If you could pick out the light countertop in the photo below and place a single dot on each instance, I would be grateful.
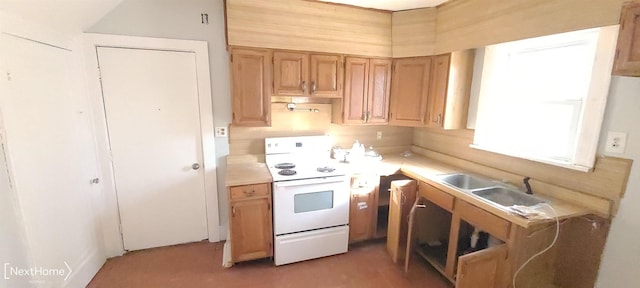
(417, 167)
(247, 173)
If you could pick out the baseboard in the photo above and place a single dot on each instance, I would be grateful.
(223, 234)
(85, 271)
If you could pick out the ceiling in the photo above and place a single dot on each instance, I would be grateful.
(66, 15)
(391, 5)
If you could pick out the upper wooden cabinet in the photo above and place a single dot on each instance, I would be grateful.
(251, 79)
(290, 73)
(409, 91)
(326, 76)
(366, 93)
(627, 61)
(432, 91)
(310, 75)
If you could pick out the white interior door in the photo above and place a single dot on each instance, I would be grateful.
(51, 160)
(153, 119)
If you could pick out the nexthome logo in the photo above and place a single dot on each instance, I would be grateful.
(36, 272)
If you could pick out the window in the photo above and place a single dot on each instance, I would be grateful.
(543, 98)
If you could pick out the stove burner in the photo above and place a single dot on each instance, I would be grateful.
(285, 166)
(287, 172)
(326, 169)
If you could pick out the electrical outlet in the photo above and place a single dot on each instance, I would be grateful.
(221, 131)
(616, 142)
(378, 135)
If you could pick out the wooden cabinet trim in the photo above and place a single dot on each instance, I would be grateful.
(484, 220)
(436, 196)
(627, 61)
(249, 191)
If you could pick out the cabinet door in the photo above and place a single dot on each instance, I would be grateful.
(379, 90)
(326, 76)
(483, 268)
(438, 94)
(361, 213)
(290, 74)
(627, 61)
(403, 196)
(251, 232)
(356, 90)
(251, 76)
(409, 91)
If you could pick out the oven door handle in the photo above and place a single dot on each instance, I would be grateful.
(311, 181)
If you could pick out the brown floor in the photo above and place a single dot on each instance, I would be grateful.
(199, 265)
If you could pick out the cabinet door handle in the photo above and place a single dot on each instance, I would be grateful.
(313, 87)
(233, 211)
(438, 119)
(303, 86)
(250, 193)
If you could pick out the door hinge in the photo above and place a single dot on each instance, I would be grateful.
(231, 57)
(233, 116)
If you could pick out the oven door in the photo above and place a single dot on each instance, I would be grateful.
(301, 205)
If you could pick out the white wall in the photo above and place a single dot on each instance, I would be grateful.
(621, 260)
(180, 19)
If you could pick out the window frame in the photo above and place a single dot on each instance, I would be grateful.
(593, 105)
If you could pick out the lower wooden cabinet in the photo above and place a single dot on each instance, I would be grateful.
(250, 222)
(361, 213)
(482, 268)
(444, 238)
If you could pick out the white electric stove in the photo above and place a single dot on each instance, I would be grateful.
(310, 199)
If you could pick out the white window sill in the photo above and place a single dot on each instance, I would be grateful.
(540, 160)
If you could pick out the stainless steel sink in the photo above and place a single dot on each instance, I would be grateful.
(507, 197)
(467, 182)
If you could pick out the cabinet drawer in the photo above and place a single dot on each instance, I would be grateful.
(248, 191)
(484, 220)
(437, 196)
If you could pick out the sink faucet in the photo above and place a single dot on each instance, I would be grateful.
(526, 184)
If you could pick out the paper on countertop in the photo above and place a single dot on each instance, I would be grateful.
(529, 212)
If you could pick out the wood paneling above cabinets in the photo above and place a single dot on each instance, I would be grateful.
(308, 26)
(466, 24)
(307, 75)
(413, 32)
(366, 93)
(432, 91)
(250, 89)
(627, 61)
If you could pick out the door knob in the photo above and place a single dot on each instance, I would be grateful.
(195, 166)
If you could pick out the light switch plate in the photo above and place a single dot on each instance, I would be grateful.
(221, 132)
(616, 142)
